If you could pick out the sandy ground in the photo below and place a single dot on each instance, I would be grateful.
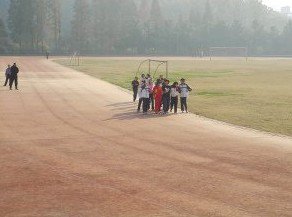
(72, 145)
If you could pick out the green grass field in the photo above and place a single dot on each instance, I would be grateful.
(255, 94)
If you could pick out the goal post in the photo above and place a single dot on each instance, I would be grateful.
(228, 52)
(75, 59)
(158, 64)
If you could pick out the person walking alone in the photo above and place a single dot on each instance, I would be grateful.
(14, 76)
(7, 75)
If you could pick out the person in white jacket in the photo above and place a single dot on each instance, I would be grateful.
(145, 96)
(184, 90)
(174, 93)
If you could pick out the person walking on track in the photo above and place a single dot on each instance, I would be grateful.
(184, 90)
(7, 75)
(135, 86)
(166, 96)
(157, 94)
(14, 76)
(151, 98)
(145, 97)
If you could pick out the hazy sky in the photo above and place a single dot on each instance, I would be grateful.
(277, 4)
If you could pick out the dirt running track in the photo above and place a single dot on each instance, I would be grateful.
(71, 145)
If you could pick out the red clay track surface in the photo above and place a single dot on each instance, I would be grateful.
(72, 145)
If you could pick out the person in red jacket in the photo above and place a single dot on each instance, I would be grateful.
(157, 93)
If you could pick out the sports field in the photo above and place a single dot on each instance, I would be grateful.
(73, 145)
(255, 94)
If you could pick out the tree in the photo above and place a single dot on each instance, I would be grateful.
(287, 38)
(40, 19)
(130, 33)
(21, 22)
(207, 22)
(4, 42)
(54, 22)
(144, 11)
(107, 26)
(156, 18)
(80, 26)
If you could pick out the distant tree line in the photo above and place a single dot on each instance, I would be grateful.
(141, 27)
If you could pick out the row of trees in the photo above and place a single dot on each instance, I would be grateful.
(139, 27)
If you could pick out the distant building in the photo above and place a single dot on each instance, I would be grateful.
(286, 11)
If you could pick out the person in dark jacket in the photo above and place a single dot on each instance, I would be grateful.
(166, 96)
(7, 75)
(135, 86)
(14, 76)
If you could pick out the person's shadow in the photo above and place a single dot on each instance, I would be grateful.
(128, 111)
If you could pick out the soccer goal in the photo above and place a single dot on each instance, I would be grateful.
(228, 52)
(75, 59)
(153, 63)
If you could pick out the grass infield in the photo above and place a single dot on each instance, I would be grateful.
(255, 94)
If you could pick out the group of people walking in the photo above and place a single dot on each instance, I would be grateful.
(160, 97)
(11, 76)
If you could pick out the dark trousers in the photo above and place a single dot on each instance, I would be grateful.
(6, 80)
(166, 103)
(151, 101)
(13, 79)
(135, 94)
(184, 105)
(146, 105)
(174, 103)
(140, 103)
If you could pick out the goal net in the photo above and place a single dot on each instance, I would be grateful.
(228, 52)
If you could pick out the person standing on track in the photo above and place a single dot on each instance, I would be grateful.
(7, 75)
(184, 90)
(135, 86)
(161, 79)
(145, 97)
(14, 76)
(157, 94)
(174, 92)
(143, 78)
(151, 98)
(166, 96)
(142, 81)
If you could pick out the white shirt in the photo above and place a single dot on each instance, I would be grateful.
(174, 92)
(144, 92)
(184, 90)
